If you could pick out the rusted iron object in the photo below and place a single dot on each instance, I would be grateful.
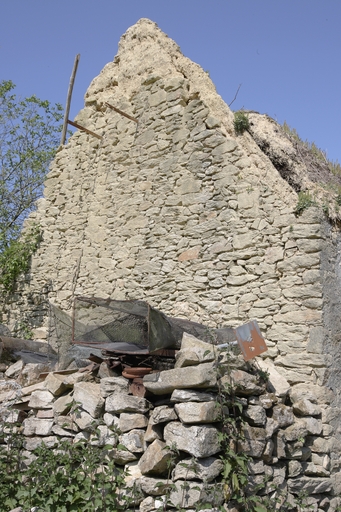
(250, 340)
(135, 372)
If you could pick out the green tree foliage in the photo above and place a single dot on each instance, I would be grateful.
(29, 136)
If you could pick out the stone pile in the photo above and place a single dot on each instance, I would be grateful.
(172, 434)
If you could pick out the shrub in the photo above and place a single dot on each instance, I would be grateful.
(305, 200)
(241, 122)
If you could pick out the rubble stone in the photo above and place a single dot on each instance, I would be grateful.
(88, 394)
(206, 469)
(202, 376)
(41, 400)
(133, 441)
(163, 414)
(14, 370)
(129, 421)
(118, 403)
(202, 412)
(156, 459)
(199, 441)
(110, 385)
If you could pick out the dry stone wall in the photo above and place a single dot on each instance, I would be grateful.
(172, 435)
(179, 211)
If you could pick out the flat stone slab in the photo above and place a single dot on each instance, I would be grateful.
(41, 400)
(206, 469)
(194, 412)
(118, 403)
(201, 376)
(182, 395)
(309, 485)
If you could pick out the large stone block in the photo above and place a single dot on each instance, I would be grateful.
(134, 441)
(202, 412)
(201, 376)
(197, 440)
(206, 469)
(255, 415)
(118, 403)
(88, 395)
(55, 384)
(63, 404)
(129, 421)
(244, 383)
(283, 414)
(305, 407)
(41, 400)
(156, 459)
(309, 485)
(163, 414)
(13, 371)
(38, 427)
(193, 351)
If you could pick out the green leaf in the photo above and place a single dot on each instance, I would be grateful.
(227, 469)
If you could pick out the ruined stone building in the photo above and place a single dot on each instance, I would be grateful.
(175, 208)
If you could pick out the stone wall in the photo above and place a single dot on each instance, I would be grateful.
(171, 434)
(181, 212)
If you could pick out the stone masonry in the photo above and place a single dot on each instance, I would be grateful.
(179, 211)
(171, 435)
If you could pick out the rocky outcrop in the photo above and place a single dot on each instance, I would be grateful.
(283, 434)
(301, 164)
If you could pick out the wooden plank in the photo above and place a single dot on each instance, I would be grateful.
(76, 125)
(68, 99)
(122, 113)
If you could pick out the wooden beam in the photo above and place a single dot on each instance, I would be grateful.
(68, 99)
(122, 113)
(76, 125)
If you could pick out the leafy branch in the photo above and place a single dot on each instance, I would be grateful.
(15, 257)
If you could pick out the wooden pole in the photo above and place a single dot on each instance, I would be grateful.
(76, 125)
(68, 99)
(123, 113)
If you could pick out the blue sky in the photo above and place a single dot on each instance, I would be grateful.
(285, 53)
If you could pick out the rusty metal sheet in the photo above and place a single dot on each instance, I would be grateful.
(250, 340)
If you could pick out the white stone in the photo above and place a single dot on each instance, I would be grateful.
(199, 441)
(201, 376)
(88, 395)
(278, 383)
